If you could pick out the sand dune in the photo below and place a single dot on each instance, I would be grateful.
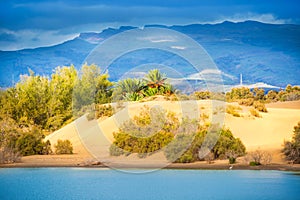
(266, 133)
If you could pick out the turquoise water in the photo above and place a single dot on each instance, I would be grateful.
(87, 183)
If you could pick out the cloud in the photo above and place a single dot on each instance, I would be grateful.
(30, 39)
(53, 15)
(159, 39)
(264, 18)
(178, 47)
(46, 22)
(207, 74)
(7, 36)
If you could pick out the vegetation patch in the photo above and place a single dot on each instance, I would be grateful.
(104, 111)
(146, 133)
(254, 112)
(291, 149)
(233, 110)
(63, 147)
(154, 130)
(260, 106)
(154, 83)
(258, 157)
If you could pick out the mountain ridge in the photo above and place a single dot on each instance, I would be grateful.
(262, 52)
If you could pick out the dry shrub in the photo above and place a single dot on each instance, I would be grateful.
(258, 157)
(233, 110)
(254, 112)
(246, 102)
(260, 106)
(8, 155)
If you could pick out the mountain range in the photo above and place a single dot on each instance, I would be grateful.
(265, 53)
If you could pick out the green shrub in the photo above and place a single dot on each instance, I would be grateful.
(201, 95)
(246, 102)
(259, 94)
(186, 147)
(254, 112)
(104, 110)
(204, 116)
(146, 133)
(232, 160)
(31, 143)
(253, 163)
(176, 151)
(272, 96)
(291, 148)
(238, 93)
(63, 147)
(260, 106)
(186, 158)
(233, 110)
(228, 146)
(115, 151)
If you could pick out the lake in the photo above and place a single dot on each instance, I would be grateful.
(92, 183)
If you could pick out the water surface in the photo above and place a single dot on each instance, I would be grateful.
(87, 183)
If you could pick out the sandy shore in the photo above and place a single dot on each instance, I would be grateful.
(89, 162)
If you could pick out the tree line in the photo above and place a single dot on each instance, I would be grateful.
(39, 105)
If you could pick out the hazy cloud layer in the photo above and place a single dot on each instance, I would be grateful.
(29, 23)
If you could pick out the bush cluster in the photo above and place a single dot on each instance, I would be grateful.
(291, 149)
(63, 147)
(233, 110)
(146, 133)
(180, 141)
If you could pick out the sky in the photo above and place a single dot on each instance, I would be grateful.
(36, 23)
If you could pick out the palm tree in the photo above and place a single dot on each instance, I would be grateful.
(130, 85)
(169, 89)
(128, 89)
(155, 79)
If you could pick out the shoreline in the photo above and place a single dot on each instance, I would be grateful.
(183, 166)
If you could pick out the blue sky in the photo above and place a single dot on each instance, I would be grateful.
(33, 23)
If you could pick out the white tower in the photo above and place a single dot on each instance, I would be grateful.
(241, 79)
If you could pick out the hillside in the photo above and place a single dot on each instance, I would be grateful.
(261, 52)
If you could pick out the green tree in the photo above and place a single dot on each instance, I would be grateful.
(228, 146)
(91, 87)
(31, 143)
(238, 93)
(60, 103)
(128, 89)
(155, 79)
(203, 95)
(32, 95)
(272, 96)
(259, 94)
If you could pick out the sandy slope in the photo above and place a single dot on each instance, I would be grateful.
(286, 104)
(266, 133)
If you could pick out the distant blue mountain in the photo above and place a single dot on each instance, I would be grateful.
(261, 52)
